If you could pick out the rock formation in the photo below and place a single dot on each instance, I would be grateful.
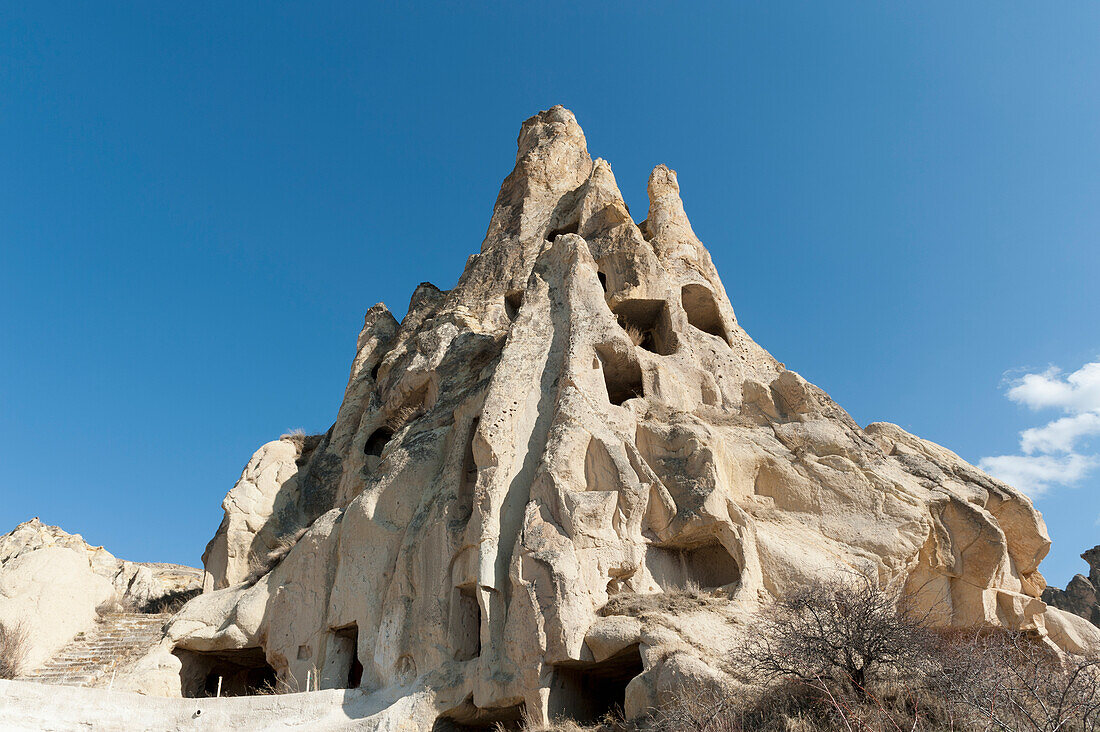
(1082, 594)
(580, 420)
(52, 582)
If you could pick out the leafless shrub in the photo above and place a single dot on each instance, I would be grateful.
(1011, 681)
(846, 629)
(110, 606)
(14, 645)
(671, 601)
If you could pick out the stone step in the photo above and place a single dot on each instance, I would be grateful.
(90, 657)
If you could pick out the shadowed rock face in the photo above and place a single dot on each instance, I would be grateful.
(581, 418)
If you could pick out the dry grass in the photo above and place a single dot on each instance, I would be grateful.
(261, 564)
(402, 416)
(14, 644)
(677, 601)
(171, 602)
(610, 723)
(635, 334)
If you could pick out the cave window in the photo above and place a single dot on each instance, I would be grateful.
(603, 280)
(468, 479)
(702, 310)
(567, 229)
(377, 441)
(466, 623)
(587, 692)
(622, 375)
(707, 566)
(648, 324)
(374, 446)
(512, 303)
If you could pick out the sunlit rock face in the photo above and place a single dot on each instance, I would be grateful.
(579, 419)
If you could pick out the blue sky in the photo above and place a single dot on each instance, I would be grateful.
(199, 201)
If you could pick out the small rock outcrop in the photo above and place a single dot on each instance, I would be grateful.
(1082, 594)
(53, 582)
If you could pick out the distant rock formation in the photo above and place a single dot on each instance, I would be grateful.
(1080, 595)
(52, 582)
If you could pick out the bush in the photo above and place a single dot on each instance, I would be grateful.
(14, 642)
(1013, 681)
(845, 629)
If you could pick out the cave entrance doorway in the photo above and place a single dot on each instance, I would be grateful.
(343, 669)
(586, 692)
(467, 717)
(242, 672)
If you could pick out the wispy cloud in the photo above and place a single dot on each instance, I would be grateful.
(1056, 453)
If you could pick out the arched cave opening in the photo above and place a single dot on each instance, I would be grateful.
(241, 672)
(376, 443)
(648, 324)
(621, 374)
(469, 718)
(702, 310)
(586, 692)
(603, 280)
(513, 301)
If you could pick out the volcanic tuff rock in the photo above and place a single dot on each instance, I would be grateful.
(582, 419)
(51, 583)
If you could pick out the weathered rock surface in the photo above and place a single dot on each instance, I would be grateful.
(51, 583)
(581, 419)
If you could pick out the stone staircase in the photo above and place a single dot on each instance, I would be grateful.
(89, 658)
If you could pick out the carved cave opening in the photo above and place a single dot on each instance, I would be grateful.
(570, 228)
(586, 692)
(343, 669)
(621, 374)
(706, 566)
(243, 672)
(468, 478)
(513, 301)
(648, 324)
(469, 718)
(702, 310)
(466, 623)
(603, 279)
(374, 446)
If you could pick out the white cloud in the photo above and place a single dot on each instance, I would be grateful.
(1035, 475)
(1079, 392)
(1061, 434)
(1055, 453)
